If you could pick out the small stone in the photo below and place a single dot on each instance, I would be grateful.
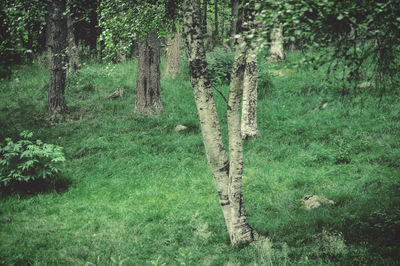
(116, 94)
(313, 201)
(364, 85)
(179, 128)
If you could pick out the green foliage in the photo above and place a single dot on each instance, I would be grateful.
(21, 32)
(27, 160)
(122, 22)
(220, 62)
(360, 40)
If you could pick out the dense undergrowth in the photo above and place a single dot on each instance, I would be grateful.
(142, 193)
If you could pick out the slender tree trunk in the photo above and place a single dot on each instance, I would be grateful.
(73, 53)
(216, 25)
(57, 39)
(148, 87)
(241, 230)
(49, 40)
(204, 17)
(173, 56)
(276, 52)
(234, 16)
(227, 173)
(249, 106)
(121, 54)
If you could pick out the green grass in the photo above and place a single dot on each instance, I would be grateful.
(143, 194)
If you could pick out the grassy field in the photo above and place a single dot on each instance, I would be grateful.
(142, 193)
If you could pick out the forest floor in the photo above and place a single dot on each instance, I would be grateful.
(142, 193)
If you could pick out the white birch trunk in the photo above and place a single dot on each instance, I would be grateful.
(241, 230)
(227, 173)
(206, 109)
(276, 52)
(249, 127)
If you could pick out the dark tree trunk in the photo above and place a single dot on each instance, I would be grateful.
(148, 87)
(234, 18)
(216, 26)
(204, 17)
(57, 41)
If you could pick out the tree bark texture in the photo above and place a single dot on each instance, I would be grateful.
(148, 87)
(173, 56)
(249, 106)
(204, 17)
(249, 127)
(234, 17)
(57, 41)
(216, 24)
(227, 173)
(73, 53)
(276, 52)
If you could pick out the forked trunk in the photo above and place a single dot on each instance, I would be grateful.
(276, 52)
(206, 109)
(57, 37)
(173, 56)
(227, 173)
(148, 87)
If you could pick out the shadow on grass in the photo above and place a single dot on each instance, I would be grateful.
(59, 184)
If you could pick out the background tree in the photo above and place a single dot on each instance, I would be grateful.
(124, 21)
(73, 54)
(277, 52)
(233, 20)
(173, 55)
(148, 86)
(57, 37)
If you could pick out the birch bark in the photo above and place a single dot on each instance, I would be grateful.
(227, 173)
(249, 106)
(276, 52)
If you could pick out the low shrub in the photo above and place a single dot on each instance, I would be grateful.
(26, 160)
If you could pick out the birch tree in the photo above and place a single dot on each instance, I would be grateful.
(227, 172)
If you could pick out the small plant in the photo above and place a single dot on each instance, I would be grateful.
(28, 160)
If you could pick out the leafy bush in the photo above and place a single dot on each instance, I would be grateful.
(28, 160)
(220, 62)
